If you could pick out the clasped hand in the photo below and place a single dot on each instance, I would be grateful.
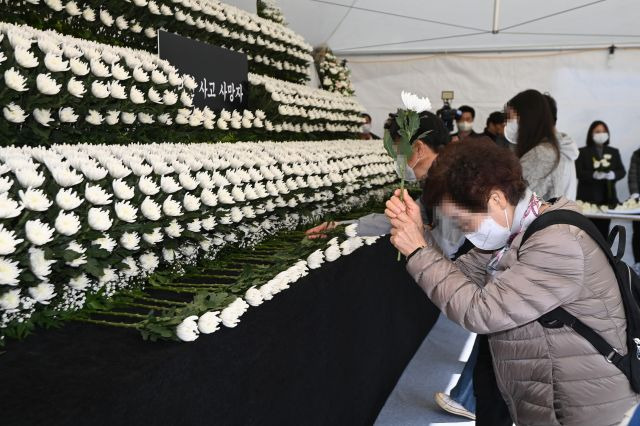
(406, 222)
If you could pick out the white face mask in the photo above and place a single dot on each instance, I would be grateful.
(511, 131)
(409, 174)
(600, 138)
(366, 128)
(464, 126)
(490, 235)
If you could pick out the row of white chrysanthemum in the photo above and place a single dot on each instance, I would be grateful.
(212, 9)
(209, 322)
(111, 84)
(334, 75)
(305, 96)
(71, 165)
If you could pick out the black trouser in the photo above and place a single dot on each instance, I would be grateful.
(635, 241)
(491, 410)
(603, 226)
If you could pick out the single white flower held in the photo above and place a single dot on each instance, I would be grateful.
(415, 103)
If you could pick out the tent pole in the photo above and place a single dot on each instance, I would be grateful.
(496, 16)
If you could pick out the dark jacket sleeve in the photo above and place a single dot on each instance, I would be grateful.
(634, 183)
(584, 166)
(617, 166)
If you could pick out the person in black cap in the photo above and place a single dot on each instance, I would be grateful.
(424, 152)
(495, 129)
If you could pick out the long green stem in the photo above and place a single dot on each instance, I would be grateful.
(401, 199)
(109, 323)
(169, 302)
(119, 314)
(138, 305)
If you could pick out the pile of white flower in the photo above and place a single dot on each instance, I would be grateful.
(319, 110)
(270, 46)
(334, 74)
(54, 81)
(97, 218)
(209, 322)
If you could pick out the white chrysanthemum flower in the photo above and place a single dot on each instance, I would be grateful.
(79, 68)
(147, 186)
(25, 58)
(171, 207)
(66, 115)
(253, 296)
(415, 103)
(38, 233)
(230, 315)
(149, 261)
(118, 91)
(99, 219)
(79, 282)
(130, 241)
(150, 209)
(34, 200)
(42, 116)
(80, 260)
(67, 223)
(136, 96)
(191, 203)
(105, 243)
(169, 185)
(76, 88)
(15, 81)
(47, 85)
(351, 230)
(42, 293)
(153, 238)
(315, 259)
(187, 330)
(332, 253)
(128, 117)
(122, 190)
(8, 241)
(39, 265)
(174, 230)
(94, 117)
(10, 300)
(14, 113)
(55, 63)
(125, 211)
(370, 240)
(209, 322)
(95, 194)
(67, 199)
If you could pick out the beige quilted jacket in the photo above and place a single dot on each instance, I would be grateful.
(547, 376)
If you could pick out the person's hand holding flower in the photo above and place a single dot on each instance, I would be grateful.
(407, 232)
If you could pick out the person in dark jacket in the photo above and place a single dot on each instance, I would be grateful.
(634, 190)
(464, 123)
(495, 129)
(599, 167)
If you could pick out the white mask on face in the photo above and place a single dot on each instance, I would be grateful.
(490, 235)
(366, 128)
(409, 174)
(600, 138)
(511, 131)
(464, 126)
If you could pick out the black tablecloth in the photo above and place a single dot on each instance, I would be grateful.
(328, 351)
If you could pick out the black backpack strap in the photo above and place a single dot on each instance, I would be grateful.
(559, 316)
(621, 233)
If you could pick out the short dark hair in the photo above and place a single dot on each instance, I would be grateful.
(467, 108)
(590, 141)
(467, 173)
(365, 115)
(552, 106)
(437, 137)
(535, 124)
(496, 117)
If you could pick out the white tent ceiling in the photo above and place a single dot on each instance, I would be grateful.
(410, 26)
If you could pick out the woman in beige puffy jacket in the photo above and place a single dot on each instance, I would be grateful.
(547, 376)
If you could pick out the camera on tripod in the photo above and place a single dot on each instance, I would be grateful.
(447, 114)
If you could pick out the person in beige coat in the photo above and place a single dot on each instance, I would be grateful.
(546, 376)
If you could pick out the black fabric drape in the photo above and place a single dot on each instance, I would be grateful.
(328, 351)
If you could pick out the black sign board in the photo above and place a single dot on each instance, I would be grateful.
(221, 74)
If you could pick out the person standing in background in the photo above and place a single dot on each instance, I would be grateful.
(634, 190)
(366, 128)
(530, 127)
(568, 186)
(599, 167)
(464, 123)
(495, 129)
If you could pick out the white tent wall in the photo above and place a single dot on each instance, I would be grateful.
(587, 85)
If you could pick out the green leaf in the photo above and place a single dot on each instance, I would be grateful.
(388, 144)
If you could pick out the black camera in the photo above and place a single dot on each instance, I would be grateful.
(447, 114)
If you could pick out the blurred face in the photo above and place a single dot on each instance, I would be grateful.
(469, 221)
(421, 159)
(599, 129)
(466, 116)
(496, 128)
